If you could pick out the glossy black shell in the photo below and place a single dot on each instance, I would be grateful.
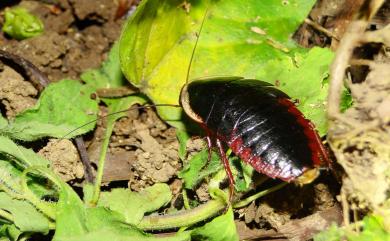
(252, 118)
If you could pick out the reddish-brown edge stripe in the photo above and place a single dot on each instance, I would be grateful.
(319, 154)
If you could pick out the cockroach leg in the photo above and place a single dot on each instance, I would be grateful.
(209, 146)
(227, 169)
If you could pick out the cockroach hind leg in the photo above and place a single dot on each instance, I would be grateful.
(226, 165)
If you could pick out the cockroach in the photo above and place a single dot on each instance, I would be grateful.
(259, 123)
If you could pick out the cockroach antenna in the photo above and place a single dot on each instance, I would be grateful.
(196, 42)
(117, 112)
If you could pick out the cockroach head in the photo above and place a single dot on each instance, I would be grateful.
(185, 104)
(198, 96)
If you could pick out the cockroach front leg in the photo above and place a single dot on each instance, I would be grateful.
(226, 165)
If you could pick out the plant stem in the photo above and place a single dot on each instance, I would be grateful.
(260, 194)
(185, 200)
(115, 106)
(200, 213)
(184, 218)
(102, 159)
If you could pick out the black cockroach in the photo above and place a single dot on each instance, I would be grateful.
(259, 123)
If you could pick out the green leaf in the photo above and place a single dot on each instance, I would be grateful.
(150, 199)
(197, 168)
(71, 214)
(63, 107)
(22, 156)
(9, 232)
(103, 224)
(182, 137)
(333, 233)
(239, 38)
(221, 228)
(26, 217)
(242, 173)
(75, 222)
(346, 100)
(20, 24)
(373, 230)
(109, 75)
(13, 159)
(10, 180)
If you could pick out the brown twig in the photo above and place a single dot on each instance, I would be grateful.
(37, 77)
(79, 141)
(321, 29)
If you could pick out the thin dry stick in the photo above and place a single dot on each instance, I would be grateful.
(321, 29)
(84, 158)
(345, 205)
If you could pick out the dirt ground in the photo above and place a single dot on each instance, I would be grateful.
(143, 149)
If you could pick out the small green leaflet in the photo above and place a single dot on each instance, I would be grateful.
(20, 24)
(198, 168)
(221, 228)
(150, 199)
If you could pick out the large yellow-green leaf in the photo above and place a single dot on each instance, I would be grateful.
(249, 38)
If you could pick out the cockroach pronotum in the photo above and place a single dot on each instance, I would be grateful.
(259, 123)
